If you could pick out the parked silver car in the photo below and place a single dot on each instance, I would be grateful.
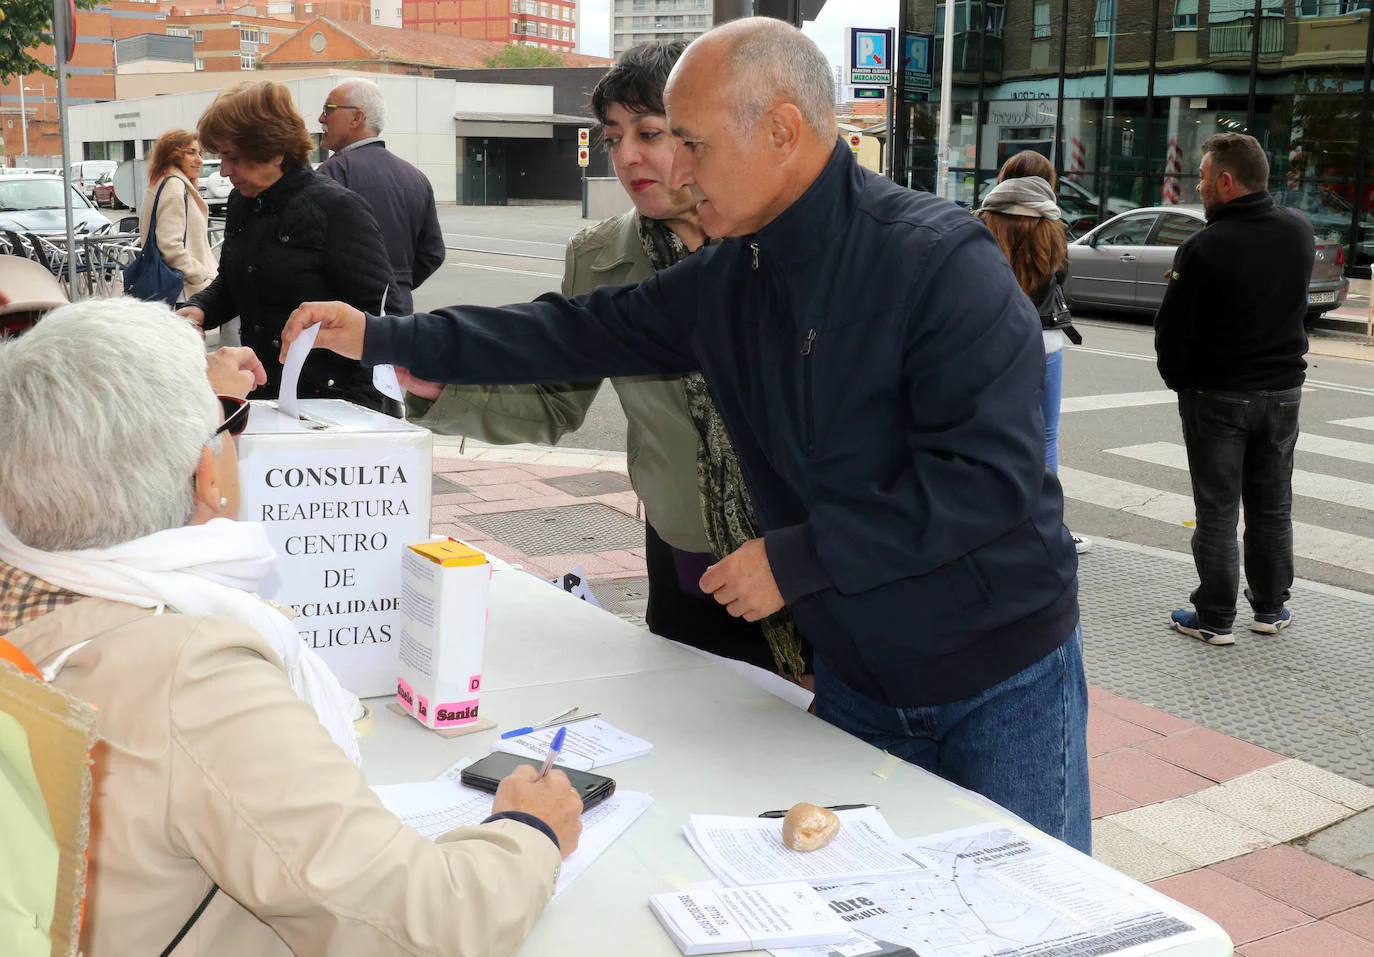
(1124, 263)
(32, 203)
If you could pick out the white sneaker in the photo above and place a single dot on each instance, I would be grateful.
(1081, 544)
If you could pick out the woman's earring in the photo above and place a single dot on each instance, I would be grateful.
(223, 502)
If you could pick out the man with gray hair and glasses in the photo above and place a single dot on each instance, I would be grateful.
(400, 195)
(879, 370)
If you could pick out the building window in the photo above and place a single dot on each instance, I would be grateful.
(1185, 15)
(307, 7)
(200, 63)
(1330, 8)
(249, 35)
(543, 9)
(1104, 21)
(178, 31)
(248, 61)
(199, 36)
(1042, 18)
(543, 29)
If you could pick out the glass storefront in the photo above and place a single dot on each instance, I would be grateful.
(1121, 94)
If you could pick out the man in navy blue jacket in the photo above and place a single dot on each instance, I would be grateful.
(879, 370)
(400, 195)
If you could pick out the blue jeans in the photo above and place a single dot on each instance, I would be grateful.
(1022, 743)
(1240, 451)
(1050, 400)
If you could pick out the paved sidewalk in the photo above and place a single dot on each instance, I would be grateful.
(1233, 779)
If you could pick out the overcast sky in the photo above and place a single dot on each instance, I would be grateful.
(827, 31)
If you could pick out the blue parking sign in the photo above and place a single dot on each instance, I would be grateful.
(917, 68)
(869, 59)
(870, 50)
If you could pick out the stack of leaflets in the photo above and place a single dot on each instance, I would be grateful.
(731, 919)
(749, 850)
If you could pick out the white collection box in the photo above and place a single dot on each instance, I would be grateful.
(341, 492)
(443, 626)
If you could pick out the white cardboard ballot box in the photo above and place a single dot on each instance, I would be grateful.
(341, 492)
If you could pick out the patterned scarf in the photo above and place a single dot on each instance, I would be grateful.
(725, 504)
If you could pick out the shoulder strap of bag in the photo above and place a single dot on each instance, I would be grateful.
(190, 922)
(152, 214)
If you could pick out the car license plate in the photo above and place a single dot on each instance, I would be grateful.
(1321, 297)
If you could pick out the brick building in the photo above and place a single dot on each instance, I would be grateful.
(549, 24)
(91, 76)
(356, 46)
(229, 41)
(1120, 94)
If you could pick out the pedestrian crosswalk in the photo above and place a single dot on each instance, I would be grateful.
(1328, 461)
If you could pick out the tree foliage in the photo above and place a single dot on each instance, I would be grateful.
(26, 25)
(517, 55)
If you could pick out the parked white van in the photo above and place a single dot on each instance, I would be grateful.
(85, 173)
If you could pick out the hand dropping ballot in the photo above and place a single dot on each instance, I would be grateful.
(340, 491)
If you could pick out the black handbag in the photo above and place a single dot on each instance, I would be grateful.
(1054, 312)
(149, 277)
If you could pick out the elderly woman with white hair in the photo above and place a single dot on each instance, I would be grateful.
(227, 756)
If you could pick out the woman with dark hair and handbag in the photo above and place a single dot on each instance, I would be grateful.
(1023, 214)
(174, 216)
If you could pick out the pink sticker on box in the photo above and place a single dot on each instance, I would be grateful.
(475, 683)
(421, 707)
(405, 695)
(455, 713)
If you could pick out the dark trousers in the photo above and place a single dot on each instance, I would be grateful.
(696, 619)
(1240, 450)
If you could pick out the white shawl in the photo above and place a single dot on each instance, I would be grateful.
(210, 569)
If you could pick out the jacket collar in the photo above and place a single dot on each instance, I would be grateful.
(801, 232)
(365, 141)
(624, 246)
(277, 195)
(1243, 205)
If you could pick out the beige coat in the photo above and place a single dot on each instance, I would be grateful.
(211, 769)
(176, 216)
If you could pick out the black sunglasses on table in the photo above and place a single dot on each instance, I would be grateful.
(235, 414)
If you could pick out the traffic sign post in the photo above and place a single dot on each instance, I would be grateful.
(584, 159)
(854, 140)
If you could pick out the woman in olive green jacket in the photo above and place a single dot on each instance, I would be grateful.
(680, 459)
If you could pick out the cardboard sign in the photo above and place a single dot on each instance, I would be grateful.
(60, 732)
(341, 493)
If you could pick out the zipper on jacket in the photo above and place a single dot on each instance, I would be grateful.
(755, 248)
(808, 409)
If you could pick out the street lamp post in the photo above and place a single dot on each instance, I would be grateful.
(24, 113)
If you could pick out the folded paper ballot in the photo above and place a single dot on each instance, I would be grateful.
(590, 744)
(731, 919)
(749, 850)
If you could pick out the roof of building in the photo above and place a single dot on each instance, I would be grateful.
(440, 50)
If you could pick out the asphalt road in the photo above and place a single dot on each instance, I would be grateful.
(1121, 449)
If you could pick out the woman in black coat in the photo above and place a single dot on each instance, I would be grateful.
(290, 237)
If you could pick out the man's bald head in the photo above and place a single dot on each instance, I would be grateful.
(757, 63)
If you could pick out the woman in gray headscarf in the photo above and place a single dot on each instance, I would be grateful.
(1023, 214)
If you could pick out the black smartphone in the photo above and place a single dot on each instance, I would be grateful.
(487, 773)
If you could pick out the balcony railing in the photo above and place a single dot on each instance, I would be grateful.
(1236, 39)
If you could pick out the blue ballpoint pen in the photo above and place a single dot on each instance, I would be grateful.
(544, 724)
(554, 748)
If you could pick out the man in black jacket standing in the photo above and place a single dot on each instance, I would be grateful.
(891, 437)
(1230, 341)
(400, 195)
